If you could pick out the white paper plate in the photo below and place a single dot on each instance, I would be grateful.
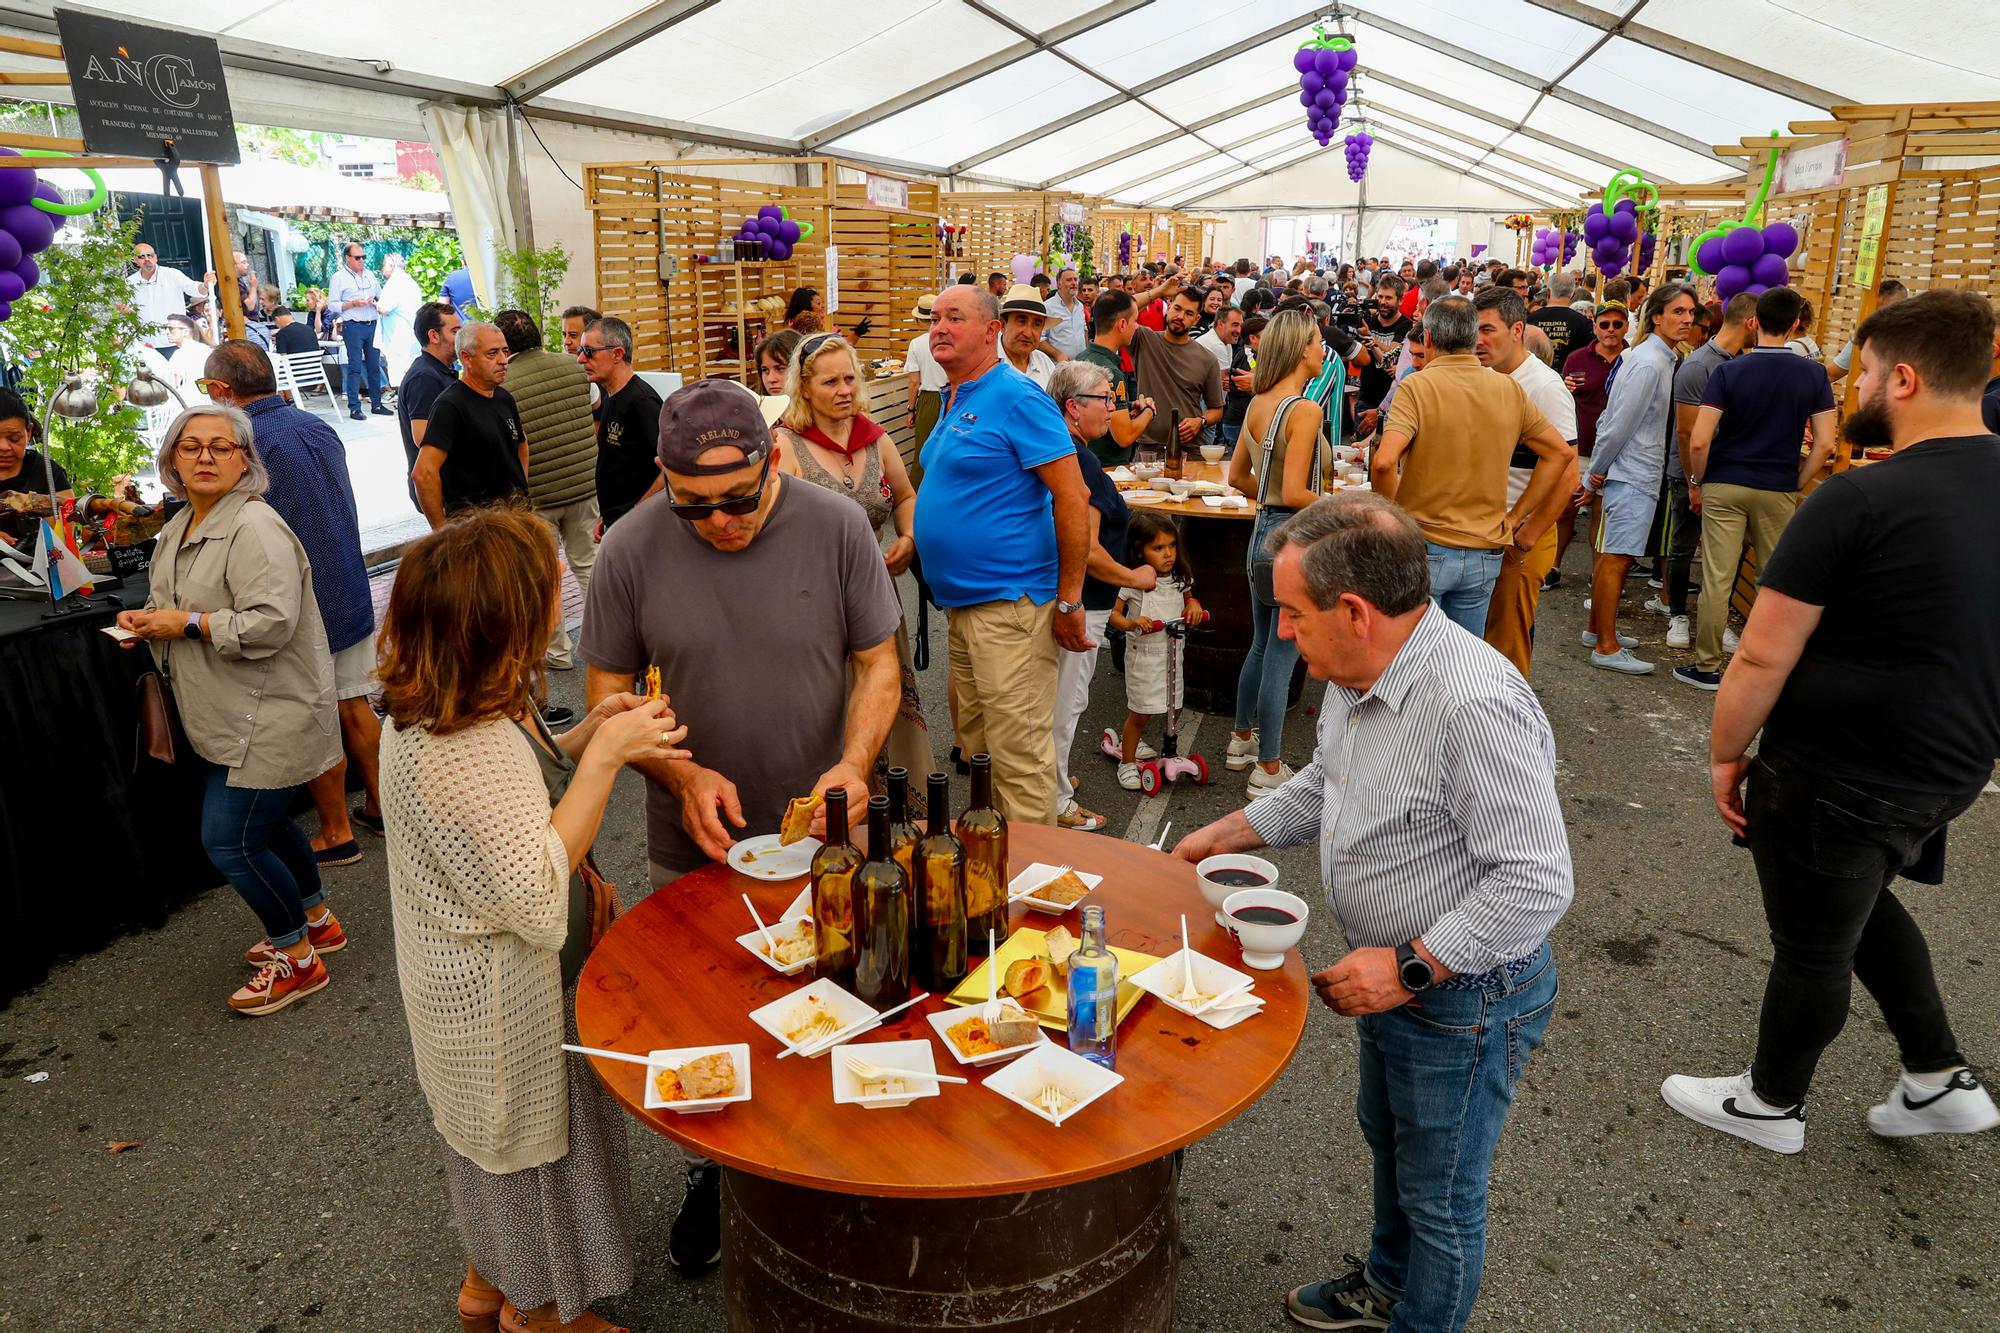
(913, 1055)
(944, 1018)
(1144, 498)
(1019, 888)
(739, 1055)
(847, 1008)
(763, 858)
(1163, 979)
(754, 942)
(1050, 1063)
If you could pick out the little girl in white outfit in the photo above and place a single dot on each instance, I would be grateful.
(1144, 616)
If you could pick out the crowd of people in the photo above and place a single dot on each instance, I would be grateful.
(722, 529)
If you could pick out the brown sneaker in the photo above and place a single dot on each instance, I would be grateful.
(278, 983)
(326, 937)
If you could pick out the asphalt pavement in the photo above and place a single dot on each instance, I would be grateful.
(283, 1173)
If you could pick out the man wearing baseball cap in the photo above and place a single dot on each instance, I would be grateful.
(752, 596)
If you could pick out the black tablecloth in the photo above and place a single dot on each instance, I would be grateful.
(88, 848)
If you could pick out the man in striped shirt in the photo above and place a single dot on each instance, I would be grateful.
(1445, 862)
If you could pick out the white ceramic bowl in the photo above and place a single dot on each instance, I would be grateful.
(1049, 1064)
(1212, 453)
(1264, 945)
(911, 1055)
(1215, 893)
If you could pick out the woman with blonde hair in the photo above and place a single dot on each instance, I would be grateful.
(490, 820)
(1280, 459)
(825, 438)
(236, 631)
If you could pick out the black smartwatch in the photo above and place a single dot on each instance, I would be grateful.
(1415, 973)
(193, 627)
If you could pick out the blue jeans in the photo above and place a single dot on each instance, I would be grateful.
(1265, 682)
(1462, 583)
(1437, 1078)
(249, 834)
(1226, 433)
(363, 359)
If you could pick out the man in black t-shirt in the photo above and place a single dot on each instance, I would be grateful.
(474, 451)
(1884, 598)
(292, 337)
(1567, 329)
(628, 421)
(1387, 328)
(429, 374)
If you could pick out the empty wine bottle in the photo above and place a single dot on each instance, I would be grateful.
(833, 869)
(983, 831)
(903, 834)
(937, 898)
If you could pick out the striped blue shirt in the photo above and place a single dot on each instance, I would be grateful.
(1433, 797)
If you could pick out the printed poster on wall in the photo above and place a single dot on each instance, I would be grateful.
(138, 86)
(832, 279)
(1868, 254)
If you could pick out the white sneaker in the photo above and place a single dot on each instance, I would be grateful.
(1242, 751)
(1113, 746)
(1586, 603)
(1624, 640)
(1622, 660)
(1659, 607)
(1729, 640)
(1128, 776)
(1263, 784)
(1679, 633)
(1961, 1107)
(1729, 1104)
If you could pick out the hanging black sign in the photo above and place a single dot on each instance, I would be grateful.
(137, 86)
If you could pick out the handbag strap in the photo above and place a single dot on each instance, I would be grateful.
(1271, 437)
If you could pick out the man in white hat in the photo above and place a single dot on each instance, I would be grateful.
(927, 382)
(1024, 317)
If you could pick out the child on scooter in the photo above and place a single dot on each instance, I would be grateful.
(1144, 616)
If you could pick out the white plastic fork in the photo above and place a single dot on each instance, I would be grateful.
(862, 1069)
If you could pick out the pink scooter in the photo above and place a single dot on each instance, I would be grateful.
(1171, 766)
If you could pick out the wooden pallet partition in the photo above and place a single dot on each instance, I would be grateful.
(1000, 224)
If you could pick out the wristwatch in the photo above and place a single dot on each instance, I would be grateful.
(1415, 973)
(193, 627)
(1064, 608)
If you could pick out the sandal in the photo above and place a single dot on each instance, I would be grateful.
(479, 1303)
(543, 1320)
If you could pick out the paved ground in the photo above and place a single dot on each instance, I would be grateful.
(287, 1177)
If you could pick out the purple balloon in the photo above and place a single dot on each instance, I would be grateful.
(17, 184)
(1596, 227)
(1769, 270)
(1607, 249)
(1742, 246)
(1709, 256)
(33, 228)
(1306, 98)
(1780, 239)
(1325, 99)
(11, 287)
(1303, 60)
(1756, 289)
(1626, 206)
(767, 224)
(10, 249)
(788, 232)
(1624, 226)
(1338, 82)
(30, 271)
(1612, 269)
(1348, 58)
(1326, 62)
(6, 309)
(1732, 279)
(779, 250)
(771, 211)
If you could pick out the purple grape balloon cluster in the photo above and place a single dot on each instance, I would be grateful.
(1748, 259)
(1325, 66)
(1552, 247)
(1611, 236)
(1357, 154)
(25, 231)
(774, 227)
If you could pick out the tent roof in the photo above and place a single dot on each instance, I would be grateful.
(281, 187)
(1157, 102)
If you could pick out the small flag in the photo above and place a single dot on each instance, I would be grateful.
(56, 560)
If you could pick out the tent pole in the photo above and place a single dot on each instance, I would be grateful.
(222, 256)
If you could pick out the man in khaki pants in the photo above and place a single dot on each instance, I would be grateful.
(1001, 533)
(1743, 466)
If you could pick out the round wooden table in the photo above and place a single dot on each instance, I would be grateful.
(962, 1210)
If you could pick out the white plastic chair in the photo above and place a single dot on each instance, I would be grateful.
(300, 371)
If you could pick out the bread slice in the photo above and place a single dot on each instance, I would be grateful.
(710, 1076)
(798, 818)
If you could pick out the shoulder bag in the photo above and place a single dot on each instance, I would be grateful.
(1261, 562)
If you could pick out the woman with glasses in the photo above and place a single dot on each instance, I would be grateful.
(236, 630)
(1587, 373)
(826, 439)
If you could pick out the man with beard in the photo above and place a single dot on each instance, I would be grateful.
(1179, 375)
(1387, 328)
(1872, 664)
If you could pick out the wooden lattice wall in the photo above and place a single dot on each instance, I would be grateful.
(707, 318)
(1000, 224)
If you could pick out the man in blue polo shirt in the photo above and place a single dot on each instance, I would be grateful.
(1002, 533)
(1743, 463)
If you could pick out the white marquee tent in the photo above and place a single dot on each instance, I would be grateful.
(1477, 106)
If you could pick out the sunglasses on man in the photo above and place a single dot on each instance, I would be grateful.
(736, 505)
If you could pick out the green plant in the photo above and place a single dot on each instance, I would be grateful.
(429, 253)
(528, 281)
(432, 258)
(301, 148)
(78, 318)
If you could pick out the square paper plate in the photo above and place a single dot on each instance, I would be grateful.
(739, 1055)
(1051, 1064)
(1163, 979)
(912, 1055)
(754, 942)
(944, 1018)
(1020, 889)
(1050, 1006)
(780, 1014)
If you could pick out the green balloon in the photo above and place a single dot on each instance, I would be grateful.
(90, 205)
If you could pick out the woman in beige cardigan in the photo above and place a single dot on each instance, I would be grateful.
(490, 820)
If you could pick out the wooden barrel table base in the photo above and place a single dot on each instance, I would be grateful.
(1104, 1254)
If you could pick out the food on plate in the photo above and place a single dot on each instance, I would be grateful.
(1065, 889)
(1014, 1027)
(882, 1085)
(972, 1037)
(652, 682)
(1025, 976)
(796, 942)
(1060, 944)
(810, 1022)
(798, 819)
(699, 1079)
(1193, 996)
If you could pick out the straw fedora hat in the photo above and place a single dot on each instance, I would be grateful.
(1021, 299)
(924, 304)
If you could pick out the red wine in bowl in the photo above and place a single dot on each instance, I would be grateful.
(1260, 915)
(1239, 879)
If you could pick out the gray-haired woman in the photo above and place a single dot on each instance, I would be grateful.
(237, 634)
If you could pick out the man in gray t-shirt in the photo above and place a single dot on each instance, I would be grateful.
(753, 620)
